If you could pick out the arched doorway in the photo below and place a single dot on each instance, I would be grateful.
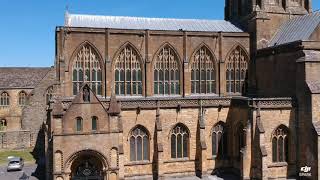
(87, 166)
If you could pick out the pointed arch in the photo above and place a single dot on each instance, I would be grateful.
(203, 66)
(128, 71)
(79, 47)
(121, 48)
(237, 62)
(139, 138)
(280, 144)
(87, 67)
(179, 137)
(219, 140)
(167, 71)
(139, 126)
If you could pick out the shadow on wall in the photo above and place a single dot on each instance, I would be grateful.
(227, 160)
(38, 154)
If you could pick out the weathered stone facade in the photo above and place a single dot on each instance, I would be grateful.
(157, 98)
(267, 129)
(23, 115)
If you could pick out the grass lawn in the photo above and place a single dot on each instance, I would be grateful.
(25, 154)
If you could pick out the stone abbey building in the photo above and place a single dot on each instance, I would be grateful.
(152, 98)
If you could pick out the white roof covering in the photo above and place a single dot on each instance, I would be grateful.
(123, 22)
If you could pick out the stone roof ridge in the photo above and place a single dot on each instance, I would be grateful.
(296, 29)
(141, 23)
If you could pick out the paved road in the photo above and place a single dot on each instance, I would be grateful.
(205, 178)
(25, 174)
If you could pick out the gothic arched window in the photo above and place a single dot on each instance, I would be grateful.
(280, 144)
(203, 72)
(139, 144)
(22, 98)
(128, 73)
(4, 99)
(87, 69)
(179, 141)
(79, 124)
(166, 72)
(219, 140)
(236, 71)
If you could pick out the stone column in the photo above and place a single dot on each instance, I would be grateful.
(159, 145)
(246, 153)
(203, 145)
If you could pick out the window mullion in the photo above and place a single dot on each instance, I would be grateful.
(176, 136)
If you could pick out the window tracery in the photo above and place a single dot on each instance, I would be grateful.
(139, 144)
(179, 142)
(166, 73)
(236, 71)
(203, 72)
(128, 73)
(280, 144)
(87, 69)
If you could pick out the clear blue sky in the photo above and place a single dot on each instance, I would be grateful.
(27, 26)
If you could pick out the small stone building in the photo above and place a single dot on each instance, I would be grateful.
(23, 94)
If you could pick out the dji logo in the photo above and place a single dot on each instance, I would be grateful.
(305, 171)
